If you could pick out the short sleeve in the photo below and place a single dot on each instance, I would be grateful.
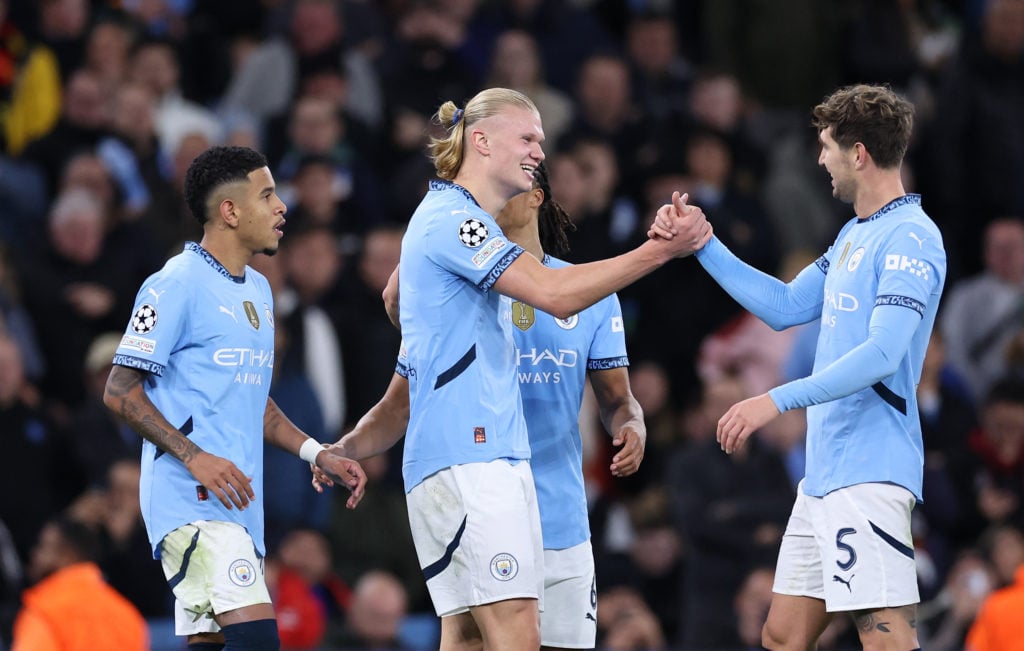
(156, 326)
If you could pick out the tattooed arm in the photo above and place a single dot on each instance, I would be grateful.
(279, 430)
(125, 396)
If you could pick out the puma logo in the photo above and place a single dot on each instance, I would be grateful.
(462, 211)
(838, 579)
(156, 294)
(230, 313)
(920, 240)
(591, 617)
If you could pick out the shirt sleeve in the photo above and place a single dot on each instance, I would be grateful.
(608, 347)
(471, 245)
(157, 326)
(778, 304)
(889, 334)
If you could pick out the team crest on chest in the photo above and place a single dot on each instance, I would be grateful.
(855, 259)
(269, 314)
(568, 324)
(251, 314)
(523, 316)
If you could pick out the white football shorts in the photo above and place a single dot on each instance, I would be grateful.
(212, 567)
(851, 548)
(476, 528)
(569, 620)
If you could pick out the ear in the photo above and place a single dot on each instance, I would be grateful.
(861, 155)
(535, 199)
(228, 212)
(481, 143)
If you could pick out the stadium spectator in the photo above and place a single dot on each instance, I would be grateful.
(70, 607)
(374, 620)
(29, 86)
(985, 311)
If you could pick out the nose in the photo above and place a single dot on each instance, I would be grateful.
(821, 157)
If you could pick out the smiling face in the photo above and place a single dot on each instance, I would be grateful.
(839, 164)
(260, 212)
(514, 138)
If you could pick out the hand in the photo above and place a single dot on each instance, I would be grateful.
(344, 471)
(320, 478)
(627, 460)
(683, 225)
(743, 419)
(223, 478)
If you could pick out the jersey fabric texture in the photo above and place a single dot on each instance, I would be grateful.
(553, 357)
(206, 338)
(457, 352)
(877, 292)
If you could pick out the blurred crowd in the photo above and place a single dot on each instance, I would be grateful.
(104, 103)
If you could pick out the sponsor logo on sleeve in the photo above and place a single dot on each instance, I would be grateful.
(488, 251)
(140, 344)
(617, 324)
(896, 262)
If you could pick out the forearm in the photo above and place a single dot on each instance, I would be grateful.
(889, 335)
(280, 431)
(381, 427)
(568, 290)
(624, 412)
(125, 396)
(778, 304)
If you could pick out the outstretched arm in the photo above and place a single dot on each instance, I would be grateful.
(125, 396)
(282, 432)
(568, 290)
(622, 416)
(778, 304)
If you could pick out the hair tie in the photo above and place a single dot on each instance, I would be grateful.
(457, 116)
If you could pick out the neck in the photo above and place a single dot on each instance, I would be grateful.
(233, 257)
(876, 190)
(490, 198)
(526, 236)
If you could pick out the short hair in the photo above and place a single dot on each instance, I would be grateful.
(448, 152)
(872, 115)
(79, 538)
(214, 168)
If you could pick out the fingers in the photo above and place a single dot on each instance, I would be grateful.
(357, 484)
(663, 226)
(627, 461)
(233, 490)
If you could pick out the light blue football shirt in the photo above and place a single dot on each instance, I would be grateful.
(554, 356)
(206, 338)
(457, 342)
(877, 290)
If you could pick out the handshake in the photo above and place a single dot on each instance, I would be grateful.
(681, 229)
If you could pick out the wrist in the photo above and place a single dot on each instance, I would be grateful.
(309, 450)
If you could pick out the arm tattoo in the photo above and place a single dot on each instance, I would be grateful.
(131, 404)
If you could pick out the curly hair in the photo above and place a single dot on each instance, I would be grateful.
(448, 152)
(554, 223)
(872, 115)
(214, 168)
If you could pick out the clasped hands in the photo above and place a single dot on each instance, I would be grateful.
(683, 228)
